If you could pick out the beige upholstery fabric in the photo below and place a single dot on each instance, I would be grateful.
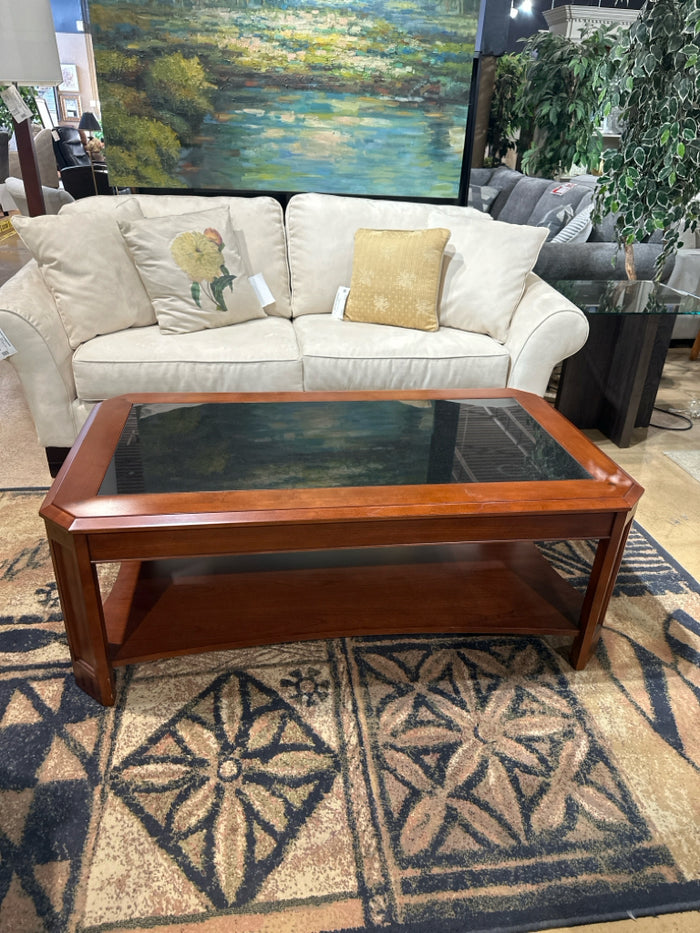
(487, 264)
(266, 354)
(194, 268)
(255, 356)
(340, 355)
(320, 235)
(546, 328)
(396, 277)
(260, 220)
(86, 265)
(54, 198)
(43, 355)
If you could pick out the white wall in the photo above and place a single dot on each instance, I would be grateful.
(75, 48)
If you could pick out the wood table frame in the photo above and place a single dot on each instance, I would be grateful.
(285, 565)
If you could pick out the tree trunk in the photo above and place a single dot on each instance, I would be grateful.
(629, 262)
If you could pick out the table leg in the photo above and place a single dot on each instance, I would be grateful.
(600, 588)
(81, 602)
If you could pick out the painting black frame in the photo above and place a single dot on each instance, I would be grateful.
(491, 38)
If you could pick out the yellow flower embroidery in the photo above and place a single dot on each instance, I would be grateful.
(198, 255)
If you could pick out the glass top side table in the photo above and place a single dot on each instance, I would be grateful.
(611, 383)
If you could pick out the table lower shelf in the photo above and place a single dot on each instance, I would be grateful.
(159, 609)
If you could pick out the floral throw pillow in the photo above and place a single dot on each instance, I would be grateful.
(195, 269)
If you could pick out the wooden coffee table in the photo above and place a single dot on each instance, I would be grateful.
(251, 519)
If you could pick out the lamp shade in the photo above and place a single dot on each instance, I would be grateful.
(89, 122)
(28, 49)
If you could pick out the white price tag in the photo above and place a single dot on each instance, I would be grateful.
(341, 297)
(6, 348)
(15, 104)
(265, 296)
(561, 189)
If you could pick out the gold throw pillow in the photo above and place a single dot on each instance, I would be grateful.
(396, 277)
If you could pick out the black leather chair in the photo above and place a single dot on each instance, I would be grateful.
(68, 147)
(82, 181)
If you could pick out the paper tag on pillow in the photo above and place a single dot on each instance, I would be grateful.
(6, 348)
(341, 297)
(263, 293)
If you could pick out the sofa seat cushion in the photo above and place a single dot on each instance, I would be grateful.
(343, 355)
(256, 355)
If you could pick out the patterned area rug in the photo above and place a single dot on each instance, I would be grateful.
(408, 784)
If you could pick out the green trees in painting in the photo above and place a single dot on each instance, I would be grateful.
(178, 90)
(168, 70)
(151, 109)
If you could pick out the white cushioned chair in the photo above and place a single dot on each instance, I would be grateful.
(54, 198)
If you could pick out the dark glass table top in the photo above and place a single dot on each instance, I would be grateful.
(166, 448)
(627, 297)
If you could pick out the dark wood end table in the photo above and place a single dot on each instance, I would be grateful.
(611, 383)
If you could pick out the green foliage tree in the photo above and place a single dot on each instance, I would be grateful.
(504, 130)
(559, 101)
(652, 181)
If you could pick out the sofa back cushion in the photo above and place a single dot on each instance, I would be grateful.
(522, 199)
(486, 272)
(480, 176)
(504, 179)
(558, 205)
(321, 237)
(86, 265)
(260, 219)
(540, 202)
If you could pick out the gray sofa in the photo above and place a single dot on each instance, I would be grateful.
(575, 249)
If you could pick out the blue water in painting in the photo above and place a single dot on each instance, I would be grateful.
(311, 140)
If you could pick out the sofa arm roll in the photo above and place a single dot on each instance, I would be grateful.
(545, 329)
(30, 319)
(592, 260)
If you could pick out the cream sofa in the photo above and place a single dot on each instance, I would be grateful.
(304, 254)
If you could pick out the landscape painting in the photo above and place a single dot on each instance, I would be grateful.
(364, 97)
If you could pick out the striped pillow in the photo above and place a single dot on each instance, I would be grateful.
(578, 228)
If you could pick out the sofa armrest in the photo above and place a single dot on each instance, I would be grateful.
(546, 328)
(30, 319)
(597, 260)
